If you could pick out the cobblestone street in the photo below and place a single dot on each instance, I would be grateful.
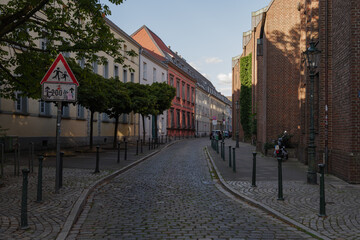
(172, 195)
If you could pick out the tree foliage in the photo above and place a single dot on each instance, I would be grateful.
(245, 95)
(142, 101)
(33, 32)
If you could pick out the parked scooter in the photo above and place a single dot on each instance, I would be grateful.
(280, 150)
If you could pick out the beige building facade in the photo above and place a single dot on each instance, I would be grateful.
(32, 120)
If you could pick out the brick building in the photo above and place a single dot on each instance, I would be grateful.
(181, 116)
(280, 80)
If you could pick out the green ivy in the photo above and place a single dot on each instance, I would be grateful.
(245, 95)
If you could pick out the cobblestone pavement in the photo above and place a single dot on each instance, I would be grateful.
(46, 219)
(172, 196)
(301, 199)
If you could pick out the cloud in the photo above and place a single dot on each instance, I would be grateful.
(225, 78)
(213, 60)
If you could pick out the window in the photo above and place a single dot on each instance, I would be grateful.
(178, 88)
(162, 77)
(192, 95)
(21, 103)
(116, 71)
(106, 70)
(178, 118)
(183, 120)
(183, 91)
(43, 42)
(125, 75)
(81, 62)
(44, 108)
(172, 80)
(124, 118)
(80, 112)
(188, 93)
(172, 124)
(105, 117)
(144, 70)
(188, 120)
(65, 111)
(95, 67)
(132, 77)
(154, 74)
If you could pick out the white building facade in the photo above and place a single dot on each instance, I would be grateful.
(152, 70)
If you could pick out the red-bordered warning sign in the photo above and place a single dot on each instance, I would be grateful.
(59, 72)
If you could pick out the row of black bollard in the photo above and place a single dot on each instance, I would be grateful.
(24, 194)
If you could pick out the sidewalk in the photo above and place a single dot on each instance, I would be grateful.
(301, 204)
(55, 214)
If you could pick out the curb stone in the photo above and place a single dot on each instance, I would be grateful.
(259, 205)
(79, 204)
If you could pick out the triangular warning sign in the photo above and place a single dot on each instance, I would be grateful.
(59, 72)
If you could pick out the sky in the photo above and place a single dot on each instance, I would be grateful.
(206, 33)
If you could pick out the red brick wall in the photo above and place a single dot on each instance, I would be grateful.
(344, 155)
(281, 63)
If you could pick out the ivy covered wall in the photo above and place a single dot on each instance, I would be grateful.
(245, 95)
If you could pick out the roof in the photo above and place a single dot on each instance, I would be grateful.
(121, 32)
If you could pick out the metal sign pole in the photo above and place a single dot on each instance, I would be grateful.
(58, 129)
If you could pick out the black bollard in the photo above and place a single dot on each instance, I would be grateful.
(234, 162)
(125, 150)
(229, 156)
(137, 147)
(280, 185)
(97, 159)
(322, 191)
(141, 146)
(118, 155)
(39, 185)
(253, 182)
(61, 169)
(24, 218)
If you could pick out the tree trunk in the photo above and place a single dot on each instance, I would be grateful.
(143, 122)
(156, 129)
(116, 130)
(91, 128)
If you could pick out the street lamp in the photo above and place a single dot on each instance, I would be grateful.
(312, 55)
(237, 123)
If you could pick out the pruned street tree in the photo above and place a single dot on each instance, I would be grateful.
(93, 93)
(142, 101)
(119, 103)
(163, 94)
(33, 32)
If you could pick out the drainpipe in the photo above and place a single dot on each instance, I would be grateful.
(326, 88)
(139, 118)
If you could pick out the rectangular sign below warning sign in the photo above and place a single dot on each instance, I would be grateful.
(59, 92)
